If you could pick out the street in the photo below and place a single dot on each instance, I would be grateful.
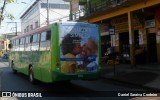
(73, 42)
(100, 87)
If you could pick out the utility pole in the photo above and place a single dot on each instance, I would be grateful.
(2, 10)
(47, 12)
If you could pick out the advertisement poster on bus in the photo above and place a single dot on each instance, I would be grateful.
(79, 48)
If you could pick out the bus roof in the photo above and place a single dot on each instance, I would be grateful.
(47, 27)
(31, 32)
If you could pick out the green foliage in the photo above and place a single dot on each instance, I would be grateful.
(10, 1)
(10, 16)
(2, 8)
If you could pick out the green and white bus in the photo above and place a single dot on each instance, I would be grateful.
(58, 52)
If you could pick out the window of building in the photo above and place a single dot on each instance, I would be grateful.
(55, 6)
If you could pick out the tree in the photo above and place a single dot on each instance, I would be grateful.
(10, 16)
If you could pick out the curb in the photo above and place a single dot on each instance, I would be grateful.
(151, 69)
(122, 81)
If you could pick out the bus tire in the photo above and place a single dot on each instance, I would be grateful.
(12, 66)
(31, 75)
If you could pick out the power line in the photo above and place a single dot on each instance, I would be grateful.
(53, 10)
(42, 14)
(35, 17)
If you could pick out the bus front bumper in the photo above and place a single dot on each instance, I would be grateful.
(57, 76)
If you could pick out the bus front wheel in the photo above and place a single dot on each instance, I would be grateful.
(31, 75)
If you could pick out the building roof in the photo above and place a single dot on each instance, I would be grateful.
(34, 3)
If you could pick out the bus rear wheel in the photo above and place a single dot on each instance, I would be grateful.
(31, 75)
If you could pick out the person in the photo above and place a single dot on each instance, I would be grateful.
(89, 52)
(80, 63)
(70, 48)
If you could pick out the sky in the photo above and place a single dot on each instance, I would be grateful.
(16, 9)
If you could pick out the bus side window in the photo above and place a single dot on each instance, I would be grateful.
(35, 43)
(20, 44)
(27, 43)
(43, 36)
(27, 40)
(45, 41)
(17, 45)
(48, 35)
(31, 39)
(17, 42)
(13, 41)
(35, 38)
(10, 45)
(21, 41)
(38, 37)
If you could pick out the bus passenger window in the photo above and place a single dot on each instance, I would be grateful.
(31, 39)
(17, 42)
(27, 40)
(22, 41)
(43, 36)
(35, 38)
(48, 35)
(38, 37)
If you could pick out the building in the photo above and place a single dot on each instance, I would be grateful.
(131, 27)
(38, 14)
(5, 41)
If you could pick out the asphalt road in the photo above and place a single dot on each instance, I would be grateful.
(101, 89)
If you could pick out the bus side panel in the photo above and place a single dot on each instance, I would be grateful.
(35, 63)
(44, 66)
(21, 61)
(55, 54)
(17, 62)
(88, 34)
(26, 60)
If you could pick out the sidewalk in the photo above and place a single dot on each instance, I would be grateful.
(147, 76)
